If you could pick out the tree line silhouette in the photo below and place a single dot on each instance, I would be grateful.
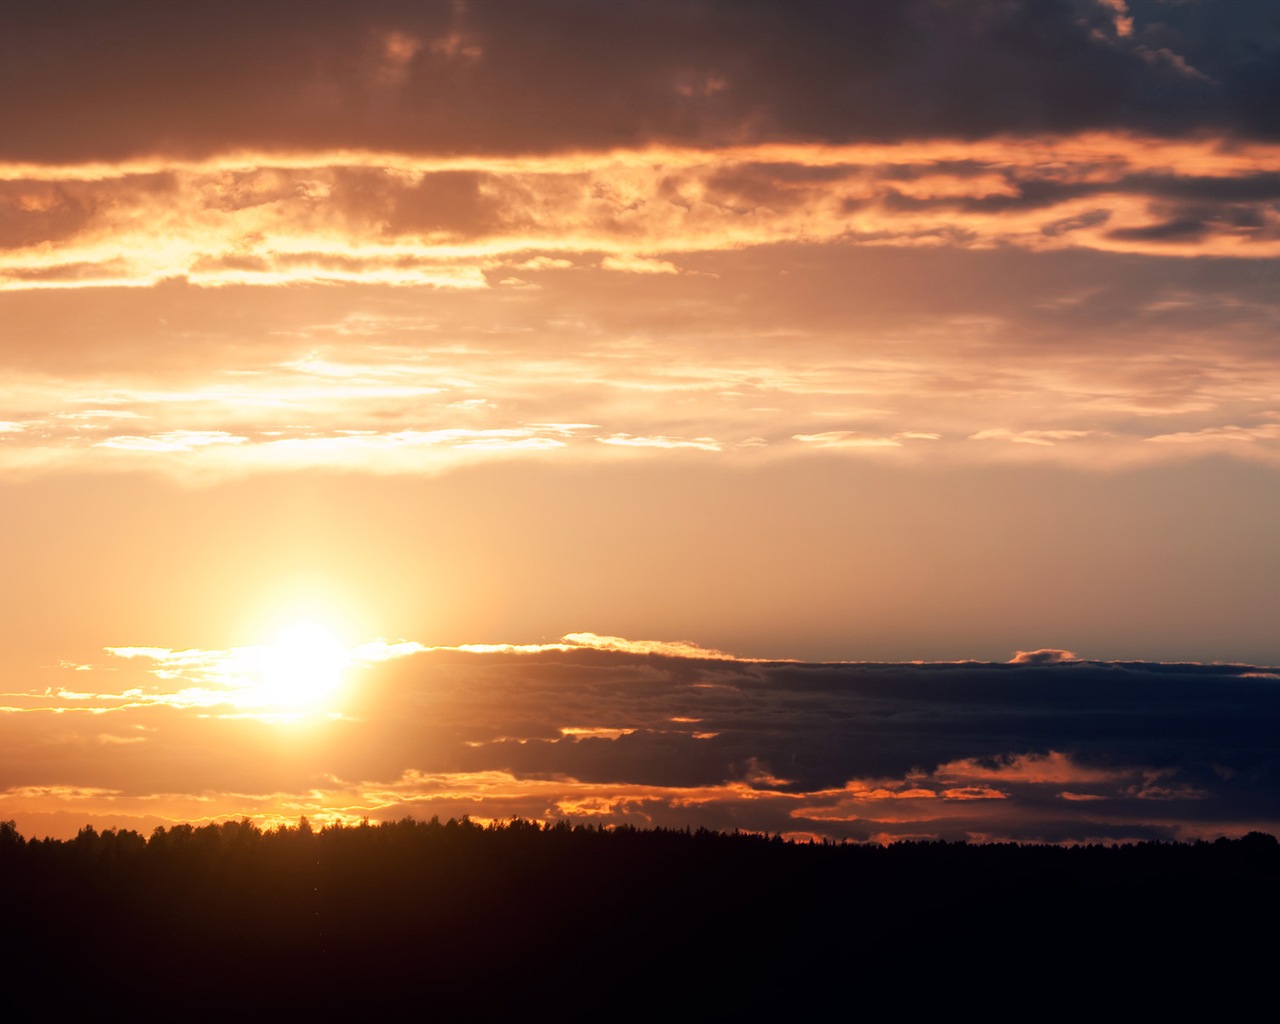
(476, 922)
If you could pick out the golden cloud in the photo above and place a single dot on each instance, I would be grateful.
(388, 218)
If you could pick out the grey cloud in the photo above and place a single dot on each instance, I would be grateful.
(1206, 732)
(1259, 188)
(1177, 229)
(1035, 749)
(1067, 224)
(128, 78)
(1192, 221)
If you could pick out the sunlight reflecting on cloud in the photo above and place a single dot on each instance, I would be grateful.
(659, 733)
(301, 670)
(443, 222)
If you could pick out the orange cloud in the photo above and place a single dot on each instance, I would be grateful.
(1053, 768)
(386, 218)
(1044, 656)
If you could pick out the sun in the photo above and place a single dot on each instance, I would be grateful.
(303, 665)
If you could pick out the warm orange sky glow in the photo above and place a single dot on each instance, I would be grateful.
(871, 332)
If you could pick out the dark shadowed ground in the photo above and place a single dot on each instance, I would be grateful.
(453, 921)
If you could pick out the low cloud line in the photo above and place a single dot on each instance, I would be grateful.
(1047, 747)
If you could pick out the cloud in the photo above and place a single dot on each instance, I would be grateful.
(457, 78)
(1045, 656)
(853, 439)
(1052, 768)
(706, 444)
(1231, 434)
(448, 221)
(671, 734)
(1041, 437)
(172, 441)
(667, 648)
(1073, 359)
(639, 265)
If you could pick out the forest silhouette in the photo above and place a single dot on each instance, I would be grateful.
(456, 920)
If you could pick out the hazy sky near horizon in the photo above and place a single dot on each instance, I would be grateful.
(868, 332)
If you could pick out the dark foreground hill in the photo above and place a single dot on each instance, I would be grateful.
(455, 921)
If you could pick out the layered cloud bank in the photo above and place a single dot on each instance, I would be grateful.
(1044, 748)
(404, 238)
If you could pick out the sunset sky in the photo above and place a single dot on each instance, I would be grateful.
(495, 407)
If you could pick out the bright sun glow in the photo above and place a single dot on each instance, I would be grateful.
(303, 665)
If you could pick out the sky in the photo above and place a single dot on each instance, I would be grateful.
(448, 407)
